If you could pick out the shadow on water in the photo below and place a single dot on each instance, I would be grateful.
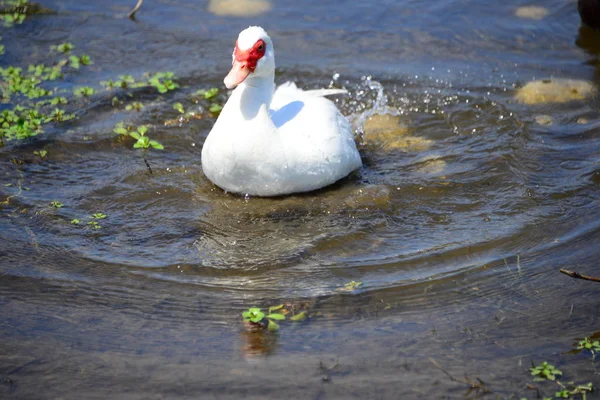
(437, 260)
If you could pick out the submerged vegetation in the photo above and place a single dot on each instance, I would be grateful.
(36, 101)
(258, 318)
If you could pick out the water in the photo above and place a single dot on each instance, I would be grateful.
(456, 226)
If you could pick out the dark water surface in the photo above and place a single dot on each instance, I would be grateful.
(457, 236)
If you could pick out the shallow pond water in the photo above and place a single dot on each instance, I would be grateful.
(469, 203)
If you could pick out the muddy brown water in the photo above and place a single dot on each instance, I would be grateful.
(467, 206)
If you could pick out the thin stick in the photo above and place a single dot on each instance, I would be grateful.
(131, 14)
(577, 275)
(148, 166)
(472, 385)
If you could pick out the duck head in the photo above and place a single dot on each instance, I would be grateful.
(253, 57)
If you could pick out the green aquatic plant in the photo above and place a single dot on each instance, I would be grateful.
(215, 108)
(56, 204)
(545, 371)
(75, 221)
(84, 91)
(59, 100)
(163, 81)
(59, 115)
(573, 389)
(207, 93)
(41, 153)
(301, 316)
(179, 107)
(253, 314)
(94, 225)
(26, 89)
(20, 123)
(64, 48)
(139, 134)
(588, 344)
(256, 316)
(350, 286)
(213, 105)
(135, 106)
(14, 11)
(124, 82)
(1, 47)
(98, 216)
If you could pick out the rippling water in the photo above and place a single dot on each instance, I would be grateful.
(467, 206)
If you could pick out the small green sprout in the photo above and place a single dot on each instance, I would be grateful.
(59, 100)
(98, 216)
(84, 59)
(59, 115)
(94, 225)
(64, 48)
(41, 153)
(215, 108)
(75, 221)
(74, 62)
(208, 93)
(587, 344)
(253, 314)
(125, 81)
(163, 81)
(84, 91)
(179, 107)
(135, 106)
(256, 316)
(545, 371)
(350, 286)
(56, 204)
(143, 142)
(109, 84)
(120, 129)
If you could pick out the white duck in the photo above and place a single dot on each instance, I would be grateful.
(269, 142)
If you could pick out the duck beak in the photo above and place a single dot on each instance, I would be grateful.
(239, 72)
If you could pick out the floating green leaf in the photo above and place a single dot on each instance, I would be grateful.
(275, 308)
(215, 108)
(301, 316)
(253, 315)
(276, 316)
(272, 326)
(545, 371)
(179, 107)
(84, 91)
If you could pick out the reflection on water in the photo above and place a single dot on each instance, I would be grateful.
(468, 204)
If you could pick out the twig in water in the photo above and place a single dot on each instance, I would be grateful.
(477, 386)
(148, 166)
(577, 275)
(131, 14)
(327, 370)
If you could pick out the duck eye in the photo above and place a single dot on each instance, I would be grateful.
(261, 47)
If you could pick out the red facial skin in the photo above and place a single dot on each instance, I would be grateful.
(244, 63)
(250, 57)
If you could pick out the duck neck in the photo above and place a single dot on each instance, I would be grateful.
(251, 94)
